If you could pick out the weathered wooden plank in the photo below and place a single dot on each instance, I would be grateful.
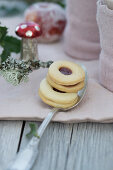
(91, 147)
(9, 139)
(53, 148)
(84, 146)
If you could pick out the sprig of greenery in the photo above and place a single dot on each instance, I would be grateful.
(8, 43)
(33, 131)
(16, 71)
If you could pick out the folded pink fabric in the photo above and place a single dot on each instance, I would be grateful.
(23, 102)
(105, 24)
(81, 34)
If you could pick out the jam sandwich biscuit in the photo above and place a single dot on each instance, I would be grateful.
(69, 88)
(58, 105)
(56, 98)
(66, 73)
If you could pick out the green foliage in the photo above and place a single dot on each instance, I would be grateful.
(3, 32)
(60, 2)
(33, 131)
(8, 43)
(10, 8)
(18, 7)
(5, 11)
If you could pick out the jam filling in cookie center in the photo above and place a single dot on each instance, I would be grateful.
(65, 71)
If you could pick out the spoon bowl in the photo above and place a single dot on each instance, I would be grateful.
(81, 95)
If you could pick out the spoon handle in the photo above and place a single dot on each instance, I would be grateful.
(26, 158)
(46, 121)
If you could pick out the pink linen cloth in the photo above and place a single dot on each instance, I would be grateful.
(23, 103)
(105, 24)
(81, 34)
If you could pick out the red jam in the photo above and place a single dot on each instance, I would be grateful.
(65, 71)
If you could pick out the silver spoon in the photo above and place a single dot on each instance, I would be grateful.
(26, 158)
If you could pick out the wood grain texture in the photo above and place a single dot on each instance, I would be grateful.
(9, 139)
(84, 146)
(53, 148)
(91, 147)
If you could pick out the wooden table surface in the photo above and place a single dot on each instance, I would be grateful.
(79, 146)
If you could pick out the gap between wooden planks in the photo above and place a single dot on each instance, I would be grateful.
(9, 139)
(84, 146)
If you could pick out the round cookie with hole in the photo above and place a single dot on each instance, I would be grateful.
(51, 94)
(69, 88)
(58, 105)
(66, 73)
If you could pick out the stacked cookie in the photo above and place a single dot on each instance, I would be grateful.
(63, 81)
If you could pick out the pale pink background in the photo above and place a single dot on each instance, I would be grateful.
(82, 34)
